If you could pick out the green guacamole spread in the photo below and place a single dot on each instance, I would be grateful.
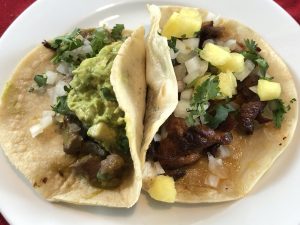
(93, 100)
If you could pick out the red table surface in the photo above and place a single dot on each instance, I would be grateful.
(10, 9)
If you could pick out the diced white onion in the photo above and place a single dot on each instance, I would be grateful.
(158, 168)
(157, 138)
(64, 68)
(212, 180)
(35, 130)
(216, 166)
(217, 20)
(173, 54)
(59, 88)
(186, 94)
(210, 17)
(231, 43)
(46, 121)
(223, 152)
(254, 89)
(48, 113)
(181, 58)
(191, 43)
(190, 78)
(180, 71)
(208, 41)
(249, 66)
(181, 86)
(181, 47)
(196, 65)
(51, 77)
(152, 169)
(181, 108)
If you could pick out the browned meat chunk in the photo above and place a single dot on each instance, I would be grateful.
(208, 31)
(183, 145)
(105, 173)
(248, 113)
(176, 174)
(244, 94)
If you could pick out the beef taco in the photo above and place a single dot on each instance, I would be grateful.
(219, 107)
(71, 120)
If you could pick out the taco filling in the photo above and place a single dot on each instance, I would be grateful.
(85, 107)
(224, 91)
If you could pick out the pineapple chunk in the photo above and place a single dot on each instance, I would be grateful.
(227, 84)
(185, 23)
(268, 90)
(215, 54)
(163, 189)
(102, 132)
(234, 64)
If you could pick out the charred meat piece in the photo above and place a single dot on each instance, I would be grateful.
(72, 143)
(202, 137)
(102, 173)
(248, 113)
(229, 124)
(176, 126)
(208, 31)
(244, 94)
(176, 174)
(171, 156)
(183, 145)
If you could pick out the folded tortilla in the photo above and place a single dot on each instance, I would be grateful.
(252, 155)
(42, 159)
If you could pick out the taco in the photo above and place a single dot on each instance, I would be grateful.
(71, 120)
(219, 107)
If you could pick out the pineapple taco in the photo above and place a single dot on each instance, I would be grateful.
(71, 121)
(219, 107)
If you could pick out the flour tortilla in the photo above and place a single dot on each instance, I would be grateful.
(255, 153)
(42, 159)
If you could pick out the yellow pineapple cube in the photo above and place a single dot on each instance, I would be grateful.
(185, 23)
(102, 132)
(234, 64)
(215, 54)
(163, 189)
(268, 90)
(227, 84)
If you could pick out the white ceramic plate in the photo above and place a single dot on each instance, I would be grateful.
(274, 200)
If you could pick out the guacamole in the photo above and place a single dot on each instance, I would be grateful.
(93, 101)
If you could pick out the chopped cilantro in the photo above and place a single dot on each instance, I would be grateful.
(40, 80)
(208, 90)
(172, 44)
(278, 110)
(100, 38)
(61, 106)
(252, 54)
(221, 113)
(116, 32)
(64, 44)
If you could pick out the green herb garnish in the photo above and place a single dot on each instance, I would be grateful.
(221, 114)
(64, 44)
(116, 32)
(208, 90)
(61, 106)
(278, 110)
(252, 54)
(100, 38)
(40, 80)
(172, 44)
